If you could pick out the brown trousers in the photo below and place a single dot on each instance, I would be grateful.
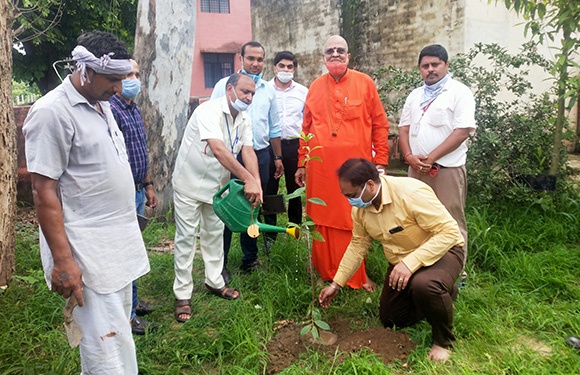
(450, 186)
(429, 294)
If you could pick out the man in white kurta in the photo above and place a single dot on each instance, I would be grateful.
(218, 130)
(90, 242)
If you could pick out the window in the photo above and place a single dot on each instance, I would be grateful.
(215, 6)
(217, 66)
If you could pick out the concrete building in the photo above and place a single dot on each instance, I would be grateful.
(222, 27)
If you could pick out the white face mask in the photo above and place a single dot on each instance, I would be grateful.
(285, 77)
(239, 105)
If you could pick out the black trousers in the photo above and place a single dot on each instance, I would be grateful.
(429, 294)
(290, 161)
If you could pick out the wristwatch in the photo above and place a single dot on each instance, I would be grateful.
(277, 157)
(145, 184)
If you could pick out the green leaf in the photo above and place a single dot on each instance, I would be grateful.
(317, 158)
(308, 223)
(316, 236)
(315, 334)
(316, 315)
(322, 325)
(296, 193)
(305, 329)
(317, 201)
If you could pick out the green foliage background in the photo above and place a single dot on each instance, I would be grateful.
(56, 43)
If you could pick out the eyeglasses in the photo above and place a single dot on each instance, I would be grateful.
(339, 50)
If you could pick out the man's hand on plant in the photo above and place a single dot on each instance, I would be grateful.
(300, 176)
(327, 294)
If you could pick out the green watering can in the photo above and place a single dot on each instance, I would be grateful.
(232, 207)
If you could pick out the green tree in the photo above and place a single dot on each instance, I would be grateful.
(554, 19)
(46, 30)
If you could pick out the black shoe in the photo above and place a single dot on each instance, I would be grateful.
(144, 308)
(250, 267)
(226, 276)
(573, 342)
(140, 326)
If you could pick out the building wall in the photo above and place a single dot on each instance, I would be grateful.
(298, 26)
(223, 33)
(382, 33)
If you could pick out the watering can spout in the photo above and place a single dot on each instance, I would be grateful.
(232, 207)
(292, 231)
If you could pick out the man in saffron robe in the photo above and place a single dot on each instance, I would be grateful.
(344, 113)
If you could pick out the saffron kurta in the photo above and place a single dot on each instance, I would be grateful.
(348, 120)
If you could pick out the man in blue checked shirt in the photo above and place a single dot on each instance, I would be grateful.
(129, 119)
(266, 135)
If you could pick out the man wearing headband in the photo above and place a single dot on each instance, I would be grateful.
(90, 242)
(128, 118)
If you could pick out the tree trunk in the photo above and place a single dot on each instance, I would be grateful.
(164, 41)
(7, 149)
(562, 79)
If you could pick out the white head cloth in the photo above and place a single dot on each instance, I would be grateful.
(103, 65)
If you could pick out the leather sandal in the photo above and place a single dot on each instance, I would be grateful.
(182, 306)
(227, 292)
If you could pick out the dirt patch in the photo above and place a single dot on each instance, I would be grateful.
(287, 345)
(26, 215)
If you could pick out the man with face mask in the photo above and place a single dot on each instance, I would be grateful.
(266, 129)
(421, 241)
(217, 132)
(131, 124)
(344, 113)
(290, 96)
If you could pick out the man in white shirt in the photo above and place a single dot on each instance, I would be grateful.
(290, 98)
(266, 130)
(216, 133)
(436, 121)
(90, 243)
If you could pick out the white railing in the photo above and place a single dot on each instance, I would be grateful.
(24, 99)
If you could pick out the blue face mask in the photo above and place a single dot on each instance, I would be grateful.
(131, 88)
(255, 77)
(239, 105)
(359, 203)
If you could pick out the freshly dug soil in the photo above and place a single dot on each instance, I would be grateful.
(287, 345)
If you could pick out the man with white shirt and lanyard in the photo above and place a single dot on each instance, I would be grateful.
(436, 121)
(290, 96)
(217, 132)
(266, 130)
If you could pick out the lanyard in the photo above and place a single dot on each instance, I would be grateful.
(236, 139)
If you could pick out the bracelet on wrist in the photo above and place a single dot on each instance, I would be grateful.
(335, 287)
(145, 184)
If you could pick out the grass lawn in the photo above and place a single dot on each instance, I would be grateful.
(522, 297)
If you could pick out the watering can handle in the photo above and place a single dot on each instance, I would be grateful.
(218, 195)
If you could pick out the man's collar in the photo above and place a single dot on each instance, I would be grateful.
(74, 96)
(119, 100)
(292, 85)
(342, 79)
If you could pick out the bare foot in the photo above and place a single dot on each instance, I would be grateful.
(439, 354)
(370, 285)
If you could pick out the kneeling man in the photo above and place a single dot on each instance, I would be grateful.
(421, 241)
